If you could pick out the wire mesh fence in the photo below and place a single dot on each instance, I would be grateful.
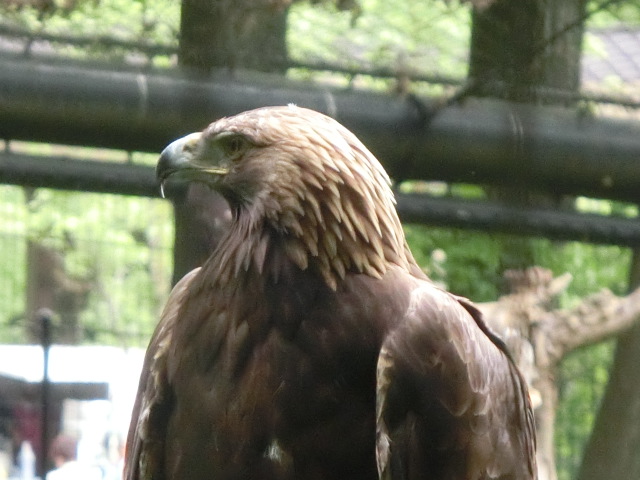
(101, 262)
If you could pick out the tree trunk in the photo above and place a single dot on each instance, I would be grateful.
(201, 217)
(233, 34)
(50, 286)
(503, 60)
(517, 50)
(614, 446)
(518, 47)
(227, 34)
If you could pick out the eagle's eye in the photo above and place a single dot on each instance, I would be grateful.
(233, 145)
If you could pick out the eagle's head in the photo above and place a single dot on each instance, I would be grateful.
(301, 177)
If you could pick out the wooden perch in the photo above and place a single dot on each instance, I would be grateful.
(597, 318)
(540, 336)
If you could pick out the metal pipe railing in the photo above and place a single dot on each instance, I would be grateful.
(548, 149)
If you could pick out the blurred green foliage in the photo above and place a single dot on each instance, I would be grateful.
(419, 37)
(148, 20)
(581, 379)
(144, 22)
(120, 247)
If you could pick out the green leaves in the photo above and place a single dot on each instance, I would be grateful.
(120, 245)
(404, 36)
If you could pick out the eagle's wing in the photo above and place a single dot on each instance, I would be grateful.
(450, 402)
(145, 441)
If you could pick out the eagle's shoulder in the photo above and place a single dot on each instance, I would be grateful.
(449, 400)
(145, 441)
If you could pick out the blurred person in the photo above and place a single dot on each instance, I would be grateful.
(64, 453)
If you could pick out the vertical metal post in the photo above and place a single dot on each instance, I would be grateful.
(44, 317)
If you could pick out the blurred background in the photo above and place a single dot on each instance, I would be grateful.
(510, 127)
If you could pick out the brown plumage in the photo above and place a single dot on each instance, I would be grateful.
(310, 345)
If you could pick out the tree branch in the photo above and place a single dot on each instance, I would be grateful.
(597, 318)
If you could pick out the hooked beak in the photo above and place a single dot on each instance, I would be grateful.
(186, 158)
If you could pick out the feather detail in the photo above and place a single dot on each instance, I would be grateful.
(339, 267)
(327, 200)
(314, 214)
(297, 252)
(311, 242)
(315, 178)
(379, 257)
(291, 223)
(335, 208)
(332, 186)
(330, 279)
(335, 229)
(348, 226)
(360, 260)
(260, 253)
(371, 270)
(360, 225)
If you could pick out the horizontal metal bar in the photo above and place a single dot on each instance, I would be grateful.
(66, 173)
(479, 141)
(105, 41)
(127, 179)
(495, 217)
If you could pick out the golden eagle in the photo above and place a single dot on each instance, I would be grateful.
(310, 345)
